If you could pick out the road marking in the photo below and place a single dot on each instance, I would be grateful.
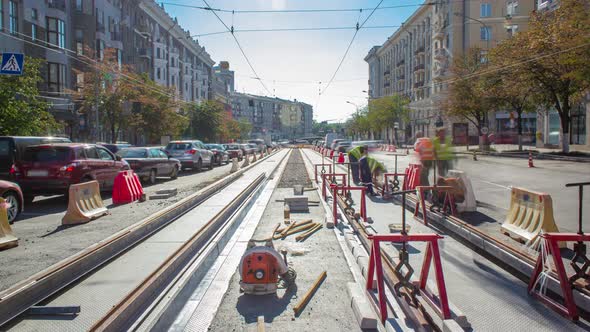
(495, 184)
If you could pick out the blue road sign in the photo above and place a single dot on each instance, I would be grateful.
(12, 64)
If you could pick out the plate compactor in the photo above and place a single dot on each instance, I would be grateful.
(262, 268)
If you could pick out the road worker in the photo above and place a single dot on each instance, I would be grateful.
(425, 152)
(366, 174)
(443, 152)
(353, 157)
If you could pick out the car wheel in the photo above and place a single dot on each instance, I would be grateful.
(14, 206)
(174, 174)
(152, 178)
(199, 165)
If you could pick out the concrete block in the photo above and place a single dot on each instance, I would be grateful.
(450, 325)
(361, 307)
(392, 325)
(297, 190)
(329, 222)
(164, 193)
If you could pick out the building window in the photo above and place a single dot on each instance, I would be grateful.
(56, 32)
(172, 62)
(33, 32)
(57, 76)
(483, 56)
(79, 5)
(79, 81)
(79, 48)
(119, 58)
(485, 33)
(512, 8)
(158, 53)
(511, 29)
(34, 14)
(186, 86)
(158, 76)
(485, 10)
(12, 16)
(100, 49)
(1, 17)
(173, 81)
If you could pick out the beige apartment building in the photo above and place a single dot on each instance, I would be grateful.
(415, 61)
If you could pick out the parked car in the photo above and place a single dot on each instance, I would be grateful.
(114, 148)
(13, 196)
(234, 151)
(192, 154)
(219, 153)
(260, 144)
(335, 142)
(343, 146)
(254, 147)
(50, 169)
(13, 147)
(247, 149)
(371, 145)
(149, 163)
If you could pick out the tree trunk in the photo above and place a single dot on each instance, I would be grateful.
(564, 117)
(519, 128)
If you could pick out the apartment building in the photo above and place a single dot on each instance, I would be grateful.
(222, 84)
(273, 117)
(142, 33)
(415, 60)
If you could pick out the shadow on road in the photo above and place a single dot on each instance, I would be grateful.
(59, 229)
(269, 306)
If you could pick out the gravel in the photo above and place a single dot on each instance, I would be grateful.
(295, 172)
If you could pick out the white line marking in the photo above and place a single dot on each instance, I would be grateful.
(495, 184)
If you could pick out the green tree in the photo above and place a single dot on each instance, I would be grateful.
(21, 112)
(245, 129)
(553, 55)
(468, 97)
(111, 89)
(205, 120)
(384, 112)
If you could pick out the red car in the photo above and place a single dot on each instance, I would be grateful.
(50, 169)
(234, 150)
(13, 196)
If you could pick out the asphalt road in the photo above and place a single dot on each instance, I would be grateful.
(492, 178)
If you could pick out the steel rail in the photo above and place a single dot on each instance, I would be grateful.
(415, 315)
(122, 313)
(21, 296)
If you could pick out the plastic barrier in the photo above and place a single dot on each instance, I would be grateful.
(127, 188)
(253, 157)
(84, 204)
(246, 161)
(234, 165)
(529, 214)
(412, 177)
(469, 203)
(432, 255)
(7, 238)
(340, 158)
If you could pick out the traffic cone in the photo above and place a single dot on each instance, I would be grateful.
(531, 160)
(331, 154)
(341, 158)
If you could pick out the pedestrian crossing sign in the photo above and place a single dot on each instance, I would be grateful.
(12, 64)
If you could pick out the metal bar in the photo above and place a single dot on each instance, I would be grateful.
(425, 266)
(440, 280)
(303, 302)
(380, 283)
(566, 288)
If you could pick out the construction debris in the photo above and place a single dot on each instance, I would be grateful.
(164, 193)
(298, 190)
(297, 204)
(287, 212)
(307, 234)
(303, 302)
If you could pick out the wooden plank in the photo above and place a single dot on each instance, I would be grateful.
(303, 302)
(260, 324)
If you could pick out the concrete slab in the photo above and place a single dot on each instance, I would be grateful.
(365, 316)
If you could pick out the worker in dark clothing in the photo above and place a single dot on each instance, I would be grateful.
(365, 172)
(353, 157)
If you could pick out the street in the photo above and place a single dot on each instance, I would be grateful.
(492, 178)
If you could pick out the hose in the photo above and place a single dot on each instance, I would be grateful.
(288, 278)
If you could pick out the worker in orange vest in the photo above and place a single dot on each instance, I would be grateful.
(425, 150)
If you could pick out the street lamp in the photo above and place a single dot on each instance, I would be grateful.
(488, 30)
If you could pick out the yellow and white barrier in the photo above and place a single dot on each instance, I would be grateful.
(469, 204)
(7, 238)
(84, 204)
(529, 214)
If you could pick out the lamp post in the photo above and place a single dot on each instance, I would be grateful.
(488, 30)
(357, 112)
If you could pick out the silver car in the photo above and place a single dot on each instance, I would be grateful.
(192, 154)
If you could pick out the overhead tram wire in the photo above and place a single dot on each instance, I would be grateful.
(349, 46)
(241, 49)
(296, 29)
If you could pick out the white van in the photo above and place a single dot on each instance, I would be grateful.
(329, 138)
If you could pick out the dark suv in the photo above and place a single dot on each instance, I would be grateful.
(50, 169)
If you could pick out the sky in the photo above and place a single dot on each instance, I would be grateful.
(291, 64)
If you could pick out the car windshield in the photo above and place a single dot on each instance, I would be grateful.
(232, 147)
(178, 146)
(133, 153)
(46, 154)
(4, 148)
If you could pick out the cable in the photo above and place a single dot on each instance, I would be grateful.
(240, 47)
(296, 29)
(349, 45)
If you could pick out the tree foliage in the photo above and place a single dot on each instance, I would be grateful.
(21, 111)
(551, 58)
(205, 120)
(381, 113)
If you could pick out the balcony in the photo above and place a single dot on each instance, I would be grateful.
(419, 50)
(418, 84)
(57, 4)
(401, 62)
(116, 36)
(419, 67)
(144, 53)
(143, 28)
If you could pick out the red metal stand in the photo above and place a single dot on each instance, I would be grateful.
(449, 201)
(432, 254)
(552, 242)
(386, 176)
(315, 170)
(333, 176)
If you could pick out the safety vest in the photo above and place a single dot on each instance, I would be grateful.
(425, 149)
(443, 152)
(356, 153)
